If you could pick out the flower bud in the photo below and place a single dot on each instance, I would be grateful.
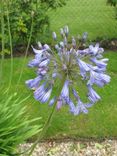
(73, 42)
(66, 30)
(61, 32)
(39, 45)
(84, 36)
(54, 35)
(62, 44)
(46, 47)
(57, 47)
(65, 41)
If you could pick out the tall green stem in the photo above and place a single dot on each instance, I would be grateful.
(45, 127)
(23, 65)
(3, 42)
(11, 48)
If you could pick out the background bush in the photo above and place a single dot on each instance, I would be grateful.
(112, 2)
(26, 13)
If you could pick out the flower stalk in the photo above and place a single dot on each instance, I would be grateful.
(26, 52)
(11, 47)
(46, 125)
(3, 39)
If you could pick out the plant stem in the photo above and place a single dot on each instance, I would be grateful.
(3, 42)
(11, 48)
(43, 131)
(46, 124)
(23, 65)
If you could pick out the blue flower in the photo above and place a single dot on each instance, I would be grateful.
(59, 102)
(84, 68)
(54, 35)
(80, 108)
(83, 52)
(95, 50)
(75, 94)
(39, 91)
(92, 95)
(99, 79)
(34, 83)
(100, 63)
(71, 105)
(66, 65)
(43, 94)
(39, 52)
(44, 62)
(84, 36)
(66, 30)
(46, 96)
(73, 42)
(52, 101)
(34, 63)
(65, 90)
(42, 71)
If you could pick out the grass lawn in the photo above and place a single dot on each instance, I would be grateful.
(93, 16)
(99, 123)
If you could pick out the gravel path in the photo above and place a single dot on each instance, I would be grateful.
(74, 148)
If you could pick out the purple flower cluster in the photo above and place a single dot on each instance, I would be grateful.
(66, 65)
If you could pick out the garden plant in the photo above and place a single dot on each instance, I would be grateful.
(16, 126)
(72, 69)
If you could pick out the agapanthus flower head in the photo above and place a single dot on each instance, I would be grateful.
(71, 69)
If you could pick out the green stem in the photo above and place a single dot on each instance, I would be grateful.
(43, 131)
(24, 60)
(3, 42)
(11, 48)
(46, 124)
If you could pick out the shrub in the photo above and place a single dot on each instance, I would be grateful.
(26, 14)
(112, 2)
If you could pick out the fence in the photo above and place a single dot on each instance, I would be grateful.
(93, 16)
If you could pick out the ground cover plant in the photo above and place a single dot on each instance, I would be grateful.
(15, 123)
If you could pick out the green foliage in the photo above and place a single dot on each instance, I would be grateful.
(112, 2)
(24, 14)
(54, 3)
(15, 124)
